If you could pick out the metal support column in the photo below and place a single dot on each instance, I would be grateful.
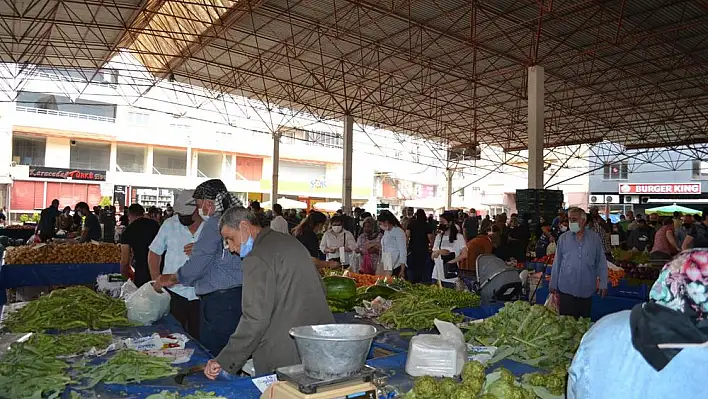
(348, 149)
(535, 126)
(276, 166)
(449, 174)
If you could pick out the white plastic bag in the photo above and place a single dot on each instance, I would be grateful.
(441, 355)
(127, 289)
(146, 306)
(354, 262)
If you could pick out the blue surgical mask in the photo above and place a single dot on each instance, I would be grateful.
(246, 247)
(574, 227)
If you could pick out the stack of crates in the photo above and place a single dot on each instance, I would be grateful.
(535, 203)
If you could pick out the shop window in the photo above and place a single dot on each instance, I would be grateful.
(28, 150)
(250, 169)
(616, 171)
(138, 118)
(86, 155)
(170, 162)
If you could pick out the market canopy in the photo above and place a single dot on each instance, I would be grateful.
(457, 72)
(286, 203)
(333, 206)
(669, 210)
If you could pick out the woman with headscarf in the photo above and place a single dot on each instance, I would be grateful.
(369, 246)
(306, 232)
(419, 240)
(649, 352)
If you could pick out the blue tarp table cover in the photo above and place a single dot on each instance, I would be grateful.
(39, 275)
(601, 307)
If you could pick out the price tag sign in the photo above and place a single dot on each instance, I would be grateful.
(262, 383)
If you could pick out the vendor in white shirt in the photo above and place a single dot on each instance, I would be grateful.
(335, 238)
(448, 244)
(279, 223)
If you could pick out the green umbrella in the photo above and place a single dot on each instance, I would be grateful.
(669, 210)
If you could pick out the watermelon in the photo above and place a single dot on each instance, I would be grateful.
(382, 291)
(340, 288)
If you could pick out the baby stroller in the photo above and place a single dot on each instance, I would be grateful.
(497, 281)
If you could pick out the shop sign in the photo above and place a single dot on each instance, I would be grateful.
(660, 188)
(66, 174)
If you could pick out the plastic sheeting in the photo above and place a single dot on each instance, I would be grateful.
(15, 276)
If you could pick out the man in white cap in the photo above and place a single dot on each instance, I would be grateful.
(175, 240)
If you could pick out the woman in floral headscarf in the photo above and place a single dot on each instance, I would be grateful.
(369, 246)
(625, 354)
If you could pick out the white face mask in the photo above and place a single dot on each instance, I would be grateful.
(564, 228)
(203, 215)
(574, 227)
(337, 229)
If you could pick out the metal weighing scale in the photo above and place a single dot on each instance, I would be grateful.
(294, 384)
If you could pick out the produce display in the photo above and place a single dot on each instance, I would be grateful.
(66, 309)
(554, 381)
(68, 344)
(548, 259)
(341, 293)
(63, 253)
(614, 276)
(365, 280)
(474, 383)
(27, 373)
(412, 312)
(530, 334)
(128, 366)
(445, 297)
(175, 395)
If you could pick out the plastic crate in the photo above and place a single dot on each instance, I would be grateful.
(626, 290)
(481, 312)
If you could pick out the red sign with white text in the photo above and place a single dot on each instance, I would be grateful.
(660, 188)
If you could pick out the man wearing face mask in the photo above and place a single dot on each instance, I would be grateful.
(175, 240)
(281, 291)
(580, 261)
(214, 272)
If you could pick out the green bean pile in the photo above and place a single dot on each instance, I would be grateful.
(175, 395)
(126, 367)
(27, 373)
(66, 309)
(409, 311)
(68, 344)
(445, 297)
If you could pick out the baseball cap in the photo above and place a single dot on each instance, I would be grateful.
(184, 203)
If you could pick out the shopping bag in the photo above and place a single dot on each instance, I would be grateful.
(367, 265)
(552, 302)
(354, 262)
(146, 306)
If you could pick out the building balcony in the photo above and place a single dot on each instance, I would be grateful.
(75, 115)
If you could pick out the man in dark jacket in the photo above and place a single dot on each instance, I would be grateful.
(48, 221)
(642, 237)
(471, 225)
(281, 290)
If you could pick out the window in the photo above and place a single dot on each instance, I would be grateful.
(616, 171)
(130, 159)
(700, 169)
(138, 118)
(28, 150)
(170, 162)
(64, 106)
(86, 155)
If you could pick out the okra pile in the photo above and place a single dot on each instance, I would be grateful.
(126, 367)
(69, 308)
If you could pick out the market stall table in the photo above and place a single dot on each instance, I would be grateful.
(42, 275)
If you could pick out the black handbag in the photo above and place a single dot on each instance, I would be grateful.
(451, 270)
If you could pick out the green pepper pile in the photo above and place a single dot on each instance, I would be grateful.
(126, 367)
(409, 311)
(28, 373)
(68, 344)
(445, 297)
(66, 309)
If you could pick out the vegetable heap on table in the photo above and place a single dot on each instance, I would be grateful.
(343, 295)
(195, 395)
(66, 309)
(445, 297)
(128, 366)
(28, 373)
(63, 253)
(365, 280)
(410, 311)
(554, 381)
(68, 344)
(530, 334)
(474, 384)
